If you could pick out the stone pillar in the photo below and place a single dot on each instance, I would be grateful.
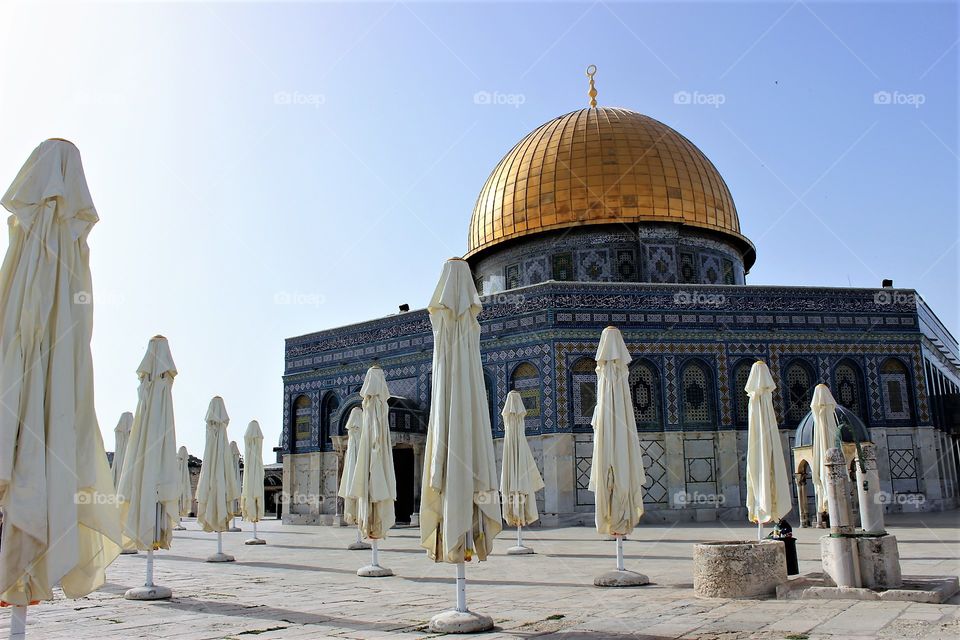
(838, 493)
(838, 550)
(559, 477)
(927, 467)
(340, 447)
(878, 436)
(676, 476)
(868, 491)
(800, 478)
(729, 476)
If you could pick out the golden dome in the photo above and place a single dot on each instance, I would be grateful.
(601, 166)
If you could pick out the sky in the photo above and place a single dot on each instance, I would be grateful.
(265, 170)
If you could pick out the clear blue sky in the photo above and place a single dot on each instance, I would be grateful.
(219, 202)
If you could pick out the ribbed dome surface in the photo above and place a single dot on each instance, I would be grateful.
(600, 166)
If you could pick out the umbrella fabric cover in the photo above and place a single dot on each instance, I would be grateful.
(121, 436)
(61, 523)
(217, 488)
(616, 475)
(519, 478)
(768, 486)
(374, 485)
(235, 455)
(186, 490)
(459, 489)
(151, 473)
(354, 424)
(825, 430)
(251, 494)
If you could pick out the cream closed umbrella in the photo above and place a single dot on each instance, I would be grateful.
(374, 484)
(354, 424)
(61, 522)
(459, 503)
(235, 456)
(825, 436)
(616, 473)
(186, 490)
(768, 487)
(121, 434)
(251, 490)
(149, 490)
(217, 487)
(519, 477)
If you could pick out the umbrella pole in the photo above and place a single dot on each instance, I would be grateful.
(375, 555)
(255, 530)
(461, 588)
(759, 531)
(18, 622)
(619, 553)
(519, 536)
(149, 581)
(219, 542)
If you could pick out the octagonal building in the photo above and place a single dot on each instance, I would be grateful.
(607, 216)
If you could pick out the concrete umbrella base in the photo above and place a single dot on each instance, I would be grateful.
(255, 541)
(519, 551)
(359, 545)
(621, 579)
(220, 557)
(128, 552)
(179, 527)
(460, 622)
(148, 593)
(374, 571)
(234, 529)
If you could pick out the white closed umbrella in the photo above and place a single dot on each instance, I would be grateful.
(354, 425)
(825, 436)
(519, 477)
(186, 489)
(768, 487)
(235, 456)
(60, 522)
(121, 434)
(217, 487)
(616, 473)
(459, 502)
(251, 490)
(374, 484)
(149, 488)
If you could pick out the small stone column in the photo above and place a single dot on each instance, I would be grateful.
(838, 550)
(802, 505)
(838, 493)
(868, 491)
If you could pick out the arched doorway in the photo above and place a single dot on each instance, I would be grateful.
(404, 470)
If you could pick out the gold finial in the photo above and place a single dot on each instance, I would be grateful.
(591, 71)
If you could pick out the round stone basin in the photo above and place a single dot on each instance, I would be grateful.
(739, 568)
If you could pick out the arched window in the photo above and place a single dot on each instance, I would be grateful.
(584, 385)
(526, 380)
(848, 387)
(696, 386)
(645, 389)
(741, 401)
(302, 422)
(799, 391)
(328, 409)
(894, 381)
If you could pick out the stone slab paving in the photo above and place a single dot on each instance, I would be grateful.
(303, 584)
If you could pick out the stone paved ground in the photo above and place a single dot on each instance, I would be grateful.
(303, 585)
